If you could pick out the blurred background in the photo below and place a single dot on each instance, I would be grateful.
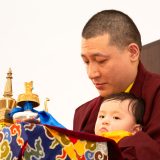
(40, 40)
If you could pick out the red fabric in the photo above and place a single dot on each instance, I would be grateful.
(113, 150)
(144, 145)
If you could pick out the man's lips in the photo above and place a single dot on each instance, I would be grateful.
(99, 85)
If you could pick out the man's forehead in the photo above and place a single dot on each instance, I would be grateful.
(101, 39)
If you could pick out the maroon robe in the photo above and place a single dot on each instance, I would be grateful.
(144, 145)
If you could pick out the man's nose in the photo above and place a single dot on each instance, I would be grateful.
(93, 71)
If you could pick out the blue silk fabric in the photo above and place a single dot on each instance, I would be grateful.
(45, 117)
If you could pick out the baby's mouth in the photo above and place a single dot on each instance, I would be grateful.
(103, 129)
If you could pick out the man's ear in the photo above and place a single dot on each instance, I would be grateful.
(136, 128)
(134, 52)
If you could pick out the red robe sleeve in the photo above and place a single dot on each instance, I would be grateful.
(140, 146)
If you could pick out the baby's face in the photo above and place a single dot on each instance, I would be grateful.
(115, 115)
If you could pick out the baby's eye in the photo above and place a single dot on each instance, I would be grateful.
(116, 117)
(101, 116)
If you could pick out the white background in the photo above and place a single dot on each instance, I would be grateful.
(40, 41)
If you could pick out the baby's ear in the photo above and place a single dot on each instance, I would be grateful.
(136, 128)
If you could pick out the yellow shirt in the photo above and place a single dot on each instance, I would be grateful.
(116, 135)
(129, 88)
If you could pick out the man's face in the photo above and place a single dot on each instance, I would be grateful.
(110, 69)
(115, 115)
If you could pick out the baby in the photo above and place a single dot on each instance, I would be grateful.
(120, 115)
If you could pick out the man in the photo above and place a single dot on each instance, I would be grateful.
(111, 46)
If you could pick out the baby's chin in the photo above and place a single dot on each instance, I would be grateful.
(101, 131)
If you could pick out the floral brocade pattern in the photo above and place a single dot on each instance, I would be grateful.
(29, 141)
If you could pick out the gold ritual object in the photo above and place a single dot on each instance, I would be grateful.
(28, 96)
(7, 103)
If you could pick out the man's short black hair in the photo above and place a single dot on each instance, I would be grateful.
(119, 26)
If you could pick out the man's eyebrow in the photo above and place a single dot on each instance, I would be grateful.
(97, 54)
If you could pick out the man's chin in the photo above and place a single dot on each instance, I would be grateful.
(104, 93)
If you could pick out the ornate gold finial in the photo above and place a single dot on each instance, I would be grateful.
(7, 102)
(45, 104)
(28, 95)
(28, 87)
(8, 87)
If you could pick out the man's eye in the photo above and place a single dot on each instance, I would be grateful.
(101, 61)
(86, 62)
(116, 117)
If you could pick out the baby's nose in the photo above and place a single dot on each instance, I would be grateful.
(105, 121)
